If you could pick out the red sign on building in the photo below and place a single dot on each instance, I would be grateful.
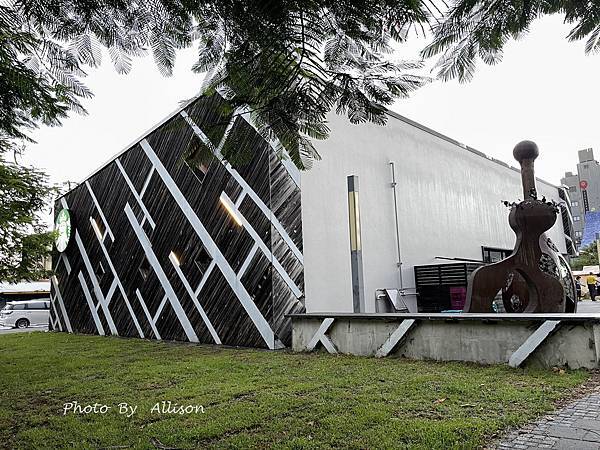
(583, 185)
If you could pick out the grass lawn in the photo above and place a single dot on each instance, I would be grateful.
(254, 398)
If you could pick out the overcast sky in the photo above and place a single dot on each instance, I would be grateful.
(544, 90)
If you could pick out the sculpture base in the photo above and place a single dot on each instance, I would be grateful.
(545, 340)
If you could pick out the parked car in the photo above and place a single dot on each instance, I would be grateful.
(25, 313)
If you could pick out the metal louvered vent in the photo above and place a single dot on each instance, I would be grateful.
(442, 286)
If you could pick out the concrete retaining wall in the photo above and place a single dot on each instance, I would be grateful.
(561, 342)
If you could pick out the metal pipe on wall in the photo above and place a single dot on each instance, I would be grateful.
(393, 169)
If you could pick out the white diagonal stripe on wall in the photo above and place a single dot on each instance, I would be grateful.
(58, 296)
(95, 284)
(135, 194)
(204, 138)
(247, 261)
(251, 309)
(240, 199)
(160, 308)
(286, 161)
(246, 187)
(288, 280)
(56, 323)
(65, 261)
(164, 281)
(115, 275)
(88, 297)
(262, 206)
(148, 316)
(147, 182)
(122, 289)
(199, 307)
(92, 275)
(111, 291)
(109, 294)
(209, 269)
(95, 200)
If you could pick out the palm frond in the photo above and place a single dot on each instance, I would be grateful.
(120, 59)
(86, 49)
(592, 45)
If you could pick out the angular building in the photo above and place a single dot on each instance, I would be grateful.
(165, 250)
(152, 246)
(584, 191)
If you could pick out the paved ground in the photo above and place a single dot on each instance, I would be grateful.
(4, 330)
(588, 306)
(575, 426)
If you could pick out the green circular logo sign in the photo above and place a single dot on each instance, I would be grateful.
(62, 226)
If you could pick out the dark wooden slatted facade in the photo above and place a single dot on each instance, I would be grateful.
(126, 287)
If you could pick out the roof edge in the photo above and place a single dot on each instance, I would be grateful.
(389, 112)
(422, 127)
(184, 104)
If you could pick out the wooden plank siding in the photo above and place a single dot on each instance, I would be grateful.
(131, 294)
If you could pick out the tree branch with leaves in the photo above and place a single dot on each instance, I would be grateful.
(287, 63)
(25, 241)
(478, 30)
(588, 256)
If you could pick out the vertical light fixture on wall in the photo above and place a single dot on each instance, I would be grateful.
(96, 228)
(230, 208)
(358, 289)
(174, 259)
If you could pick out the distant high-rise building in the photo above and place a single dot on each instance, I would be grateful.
(584, 190)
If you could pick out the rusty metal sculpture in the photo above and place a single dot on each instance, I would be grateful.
(535, 278)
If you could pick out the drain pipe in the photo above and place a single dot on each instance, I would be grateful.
(393, 169)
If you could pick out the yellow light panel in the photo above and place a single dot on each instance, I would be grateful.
(230, 209)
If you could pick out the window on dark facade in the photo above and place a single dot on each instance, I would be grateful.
(144, 269)
(198, 169)
(98, 226)
(203, 260)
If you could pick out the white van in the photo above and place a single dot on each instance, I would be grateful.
(25, 313)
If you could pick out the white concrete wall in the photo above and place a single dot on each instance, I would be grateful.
(449, 204)
(575, 344)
